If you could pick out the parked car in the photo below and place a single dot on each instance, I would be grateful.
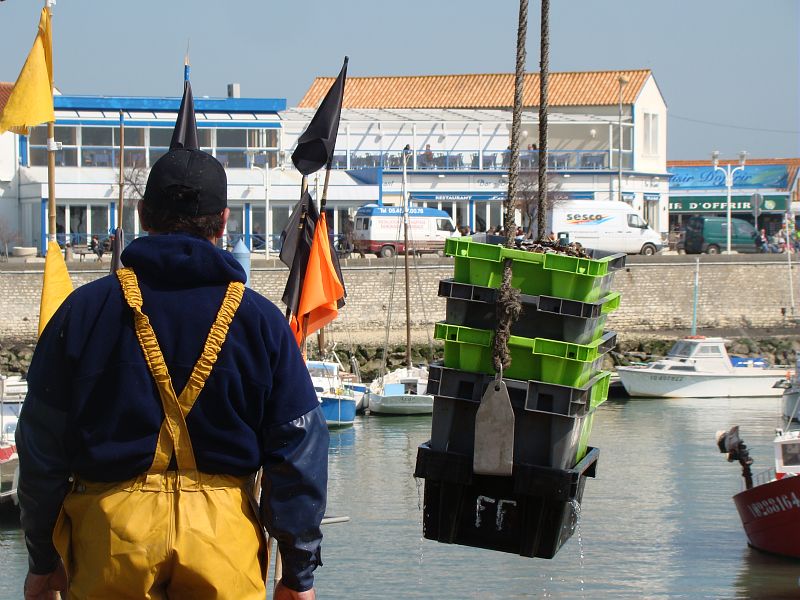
(710, 235)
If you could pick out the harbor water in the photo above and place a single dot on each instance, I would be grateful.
(657, 522)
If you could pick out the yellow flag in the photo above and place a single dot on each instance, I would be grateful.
(57, 284)
(31, 100)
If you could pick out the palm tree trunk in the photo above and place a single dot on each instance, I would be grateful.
(544, 72)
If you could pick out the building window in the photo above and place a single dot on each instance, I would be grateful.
(66, 157)
(650, 133)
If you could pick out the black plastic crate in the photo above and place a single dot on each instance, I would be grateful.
(531, 513)
(541, 316)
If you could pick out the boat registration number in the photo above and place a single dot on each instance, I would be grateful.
(666, 378)
(776, 504)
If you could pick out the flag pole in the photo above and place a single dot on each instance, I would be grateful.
(121, 201)
(322, 202)
(51, 156)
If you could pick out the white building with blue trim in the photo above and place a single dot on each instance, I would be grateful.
(458, 163)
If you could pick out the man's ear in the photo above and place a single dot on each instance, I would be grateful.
(225, 214)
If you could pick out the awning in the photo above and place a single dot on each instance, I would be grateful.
(770, 203)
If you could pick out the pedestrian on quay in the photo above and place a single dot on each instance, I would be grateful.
(138, 464)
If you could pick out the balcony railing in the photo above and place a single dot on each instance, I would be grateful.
(433, 160)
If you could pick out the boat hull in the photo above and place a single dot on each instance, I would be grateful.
(770, 515)
(9, 473)
(641, 382)
(339, 412)
(402, 404)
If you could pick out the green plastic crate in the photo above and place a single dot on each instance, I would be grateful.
(551, 274)
(541, 359)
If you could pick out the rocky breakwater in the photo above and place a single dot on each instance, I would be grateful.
(15, 355)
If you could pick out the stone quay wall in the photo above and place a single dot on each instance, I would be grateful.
(737, 292)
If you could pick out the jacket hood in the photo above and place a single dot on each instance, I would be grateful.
(180, 259)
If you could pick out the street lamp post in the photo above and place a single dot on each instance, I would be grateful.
(623, 81)
(729, 172)
(266, 184)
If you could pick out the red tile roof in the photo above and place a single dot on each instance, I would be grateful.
(5, 92)
(480, 91)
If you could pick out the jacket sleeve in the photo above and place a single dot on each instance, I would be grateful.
(294, 492)
(44, 464)
(43, 479)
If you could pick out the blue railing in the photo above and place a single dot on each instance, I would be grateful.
(436, 160)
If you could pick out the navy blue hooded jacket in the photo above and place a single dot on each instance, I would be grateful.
(93, 408)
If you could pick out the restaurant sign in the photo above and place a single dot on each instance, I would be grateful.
(770, 203)
(705, 177)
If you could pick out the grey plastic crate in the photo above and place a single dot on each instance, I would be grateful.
(541, 317)
(540, 437)
(539, 396)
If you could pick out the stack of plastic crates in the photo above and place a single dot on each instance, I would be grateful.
(555, 383)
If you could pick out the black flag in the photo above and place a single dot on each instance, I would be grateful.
(296, 241)
(185, 134)
(315, 147)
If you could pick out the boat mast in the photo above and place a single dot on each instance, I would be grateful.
(406, 154)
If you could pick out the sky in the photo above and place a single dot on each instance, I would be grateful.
(729, 70)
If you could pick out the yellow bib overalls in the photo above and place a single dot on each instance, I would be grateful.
(167, 533)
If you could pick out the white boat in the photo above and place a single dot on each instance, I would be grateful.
(791, 395)
(699, 367)
(401, 392)
(12, 393)
(360, 392)
(338, 403)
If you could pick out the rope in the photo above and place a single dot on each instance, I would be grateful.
(508, 309)
(422, 304)
(384, 358)
(508, 304)
(544, 75)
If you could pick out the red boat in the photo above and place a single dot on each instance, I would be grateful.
(769, 507)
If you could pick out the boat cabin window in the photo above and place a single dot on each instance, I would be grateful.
(410, 387)
(709, 351)
(319, 389)
(657, 366)
(362, 224)
(681, 349)
(791, 455)
(318, 370)
(682, 368)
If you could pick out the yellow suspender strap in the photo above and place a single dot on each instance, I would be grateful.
(174, 434)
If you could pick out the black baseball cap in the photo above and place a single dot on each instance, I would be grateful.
(189, 182)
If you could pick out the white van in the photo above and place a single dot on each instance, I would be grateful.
(612, 226)
(379, 230)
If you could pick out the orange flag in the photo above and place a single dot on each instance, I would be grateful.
(322, 289)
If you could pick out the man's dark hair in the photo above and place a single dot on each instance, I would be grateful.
(163, 220)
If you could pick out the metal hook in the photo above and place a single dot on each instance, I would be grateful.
(498, 378)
